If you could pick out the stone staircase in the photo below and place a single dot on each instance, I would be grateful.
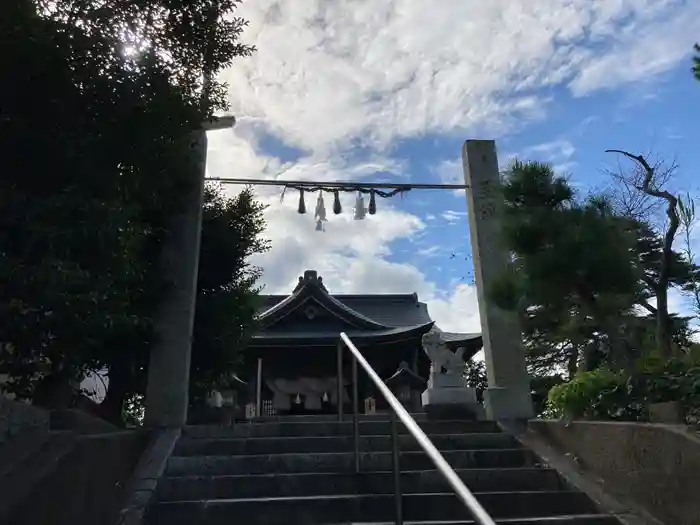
(300, 470)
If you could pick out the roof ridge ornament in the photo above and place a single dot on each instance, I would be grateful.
(310, 277)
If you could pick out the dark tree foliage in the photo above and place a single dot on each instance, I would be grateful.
(563, 277)
(98, 107)
(696, 62)
(227, 291)
(476, 378)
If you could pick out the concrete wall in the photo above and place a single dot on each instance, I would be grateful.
(656, 467)
(81, 481)
(87, 483)
(17, 417)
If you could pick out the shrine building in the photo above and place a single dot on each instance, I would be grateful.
(295, 350)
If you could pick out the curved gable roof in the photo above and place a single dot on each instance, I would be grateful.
(311, 289)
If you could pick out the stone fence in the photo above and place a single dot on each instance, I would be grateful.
(654, 466)
(17, 417)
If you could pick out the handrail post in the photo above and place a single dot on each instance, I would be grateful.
(340, 380)
(258, 389)
(396, 469)
(355, 417)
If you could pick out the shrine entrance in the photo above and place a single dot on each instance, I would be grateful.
(387, 329)
(296, 350)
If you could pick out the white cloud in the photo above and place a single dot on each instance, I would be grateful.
(326, 73)
(344, 80)
(643, 48)
(431, 251)
(457, 311)
(558, 153)
(554, 151)
(453, 217)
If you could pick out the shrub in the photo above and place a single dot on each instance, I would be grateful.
(598, 394)
(539, 390)
(602, 394)
(674, 379)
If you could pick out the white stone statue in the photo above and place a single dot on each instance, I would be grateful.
(443, 360)
(447, 390)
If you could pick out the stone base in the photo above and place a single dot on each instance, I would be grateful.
(455, 412)
(451, 403)
(670, 412)
(508, 403)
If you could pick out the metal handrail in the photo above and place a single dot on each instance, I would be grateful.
(462, 492)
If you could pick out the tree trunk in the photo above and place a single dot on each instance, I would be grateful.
(663, 323)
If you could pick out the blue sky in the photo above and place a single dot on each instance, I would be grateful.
(389, 91)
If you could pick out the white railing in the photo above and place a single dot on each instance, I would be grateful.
(397, 410)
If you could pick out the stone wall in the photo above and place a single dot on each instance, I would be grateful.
(16, 417)
(656, 467)
(87, 484)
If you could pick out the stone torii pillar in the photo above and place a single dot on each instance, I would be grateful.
(508, 393)
(167, 392)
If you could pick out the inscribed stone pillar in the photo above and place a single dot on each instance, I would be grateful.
(508, 393)
(167, 393)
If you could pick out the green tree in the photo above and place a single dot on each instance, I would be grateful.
(227, 289)
(582, 274)
(476, 378)
(696, 62)
(99, 109)
(571, 281)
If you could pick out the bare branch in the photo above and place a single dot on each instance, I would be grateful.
(630, 197)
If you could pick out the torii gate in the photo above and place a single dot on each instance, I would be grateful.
(508, 393)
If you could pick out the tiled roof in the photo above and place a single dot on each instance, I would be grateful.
(390, 310)
(314, 337)
(389, 314)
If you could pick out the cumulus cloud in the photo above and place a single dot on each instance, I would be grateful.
(342, 82)
(457, 311)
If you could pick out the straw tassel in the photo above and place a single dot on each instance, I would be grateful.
(337, 208)
(360, 207)
(302, 205)
(320, 213)
(320, 208)
(372, 203)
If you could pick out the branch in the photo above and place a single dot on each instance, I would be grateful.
(646, 182)
(649, 174)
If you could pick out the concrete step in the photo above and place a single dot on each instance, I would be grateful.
(332, 428)
(312, 418)
(366, 508)
(581, 519)
(272, 445)
(344, 462)
(308, 484)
